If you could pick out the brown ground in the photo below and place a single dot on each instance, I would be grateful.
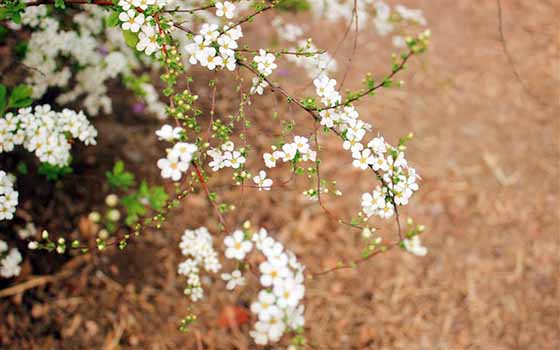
(488, 154)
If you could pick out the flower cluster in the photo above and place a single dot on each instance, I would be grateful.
(8, 196)
(265, 64)
(9, 261)
(197, 246)
(178, 157)
(46, 132)
(298, 150)
(213, 47)
(399, 180)
(97, 52)
(226, 157)
(278, 304)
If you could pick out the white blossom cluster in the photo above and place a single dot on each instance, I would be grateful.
(278, 305)
(399, 180)
(8, 196)
(298, 150)
(178, 157)
(100, 52)
(46, 132)
(197, 246)
(265, 64)
(214, 46)
(226, 157)
(9, 261)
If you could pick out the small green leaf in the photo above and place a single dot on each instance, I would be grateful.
(119, 178)
(59, 4)
(130, 38)
(21, 97)
(54, 172)
(112, 20)
(3, 92)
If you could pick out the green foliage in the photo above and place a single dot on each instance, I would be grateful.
(293, 5)
(119, 178)
(3, 33)
(20, 49)
(130, 38)
(137, 204)
(59, 4)
(21, 97)
(113, 19)
(12, 10)
(54, 172)
(3, 93)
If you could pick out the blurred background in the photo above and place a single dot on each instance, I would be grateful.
(486, 146)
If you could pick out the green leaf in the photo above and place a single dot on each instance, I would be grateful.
(59, 4)
(12, 10)
(112, 20)
(293, 5)
(119, 178)
(54, 172)
(21, 97)
(158, 197)
(3, 92)
(134, 208)
(130, 38)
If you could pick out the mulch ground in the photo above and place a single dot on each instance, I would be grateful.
(486, 146)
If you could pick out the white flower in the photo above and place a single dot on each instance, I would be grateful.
(269, 160)
(273, 273)
(414, 246)
(265, 305)
(169, 133)
(234, 159)
(225, 9)
(302, 144)
(262, 181)
(260, 333)
(265, 62)
(148, 40)
(237, 246)
(363, 159)
(10, 264)
(289, 293)
(378, 145)
(143, 4)
(290, 151)
(258, 86)
(131, 20)
(294, 317)
(172, 167)
(183, 151)
(234, 279)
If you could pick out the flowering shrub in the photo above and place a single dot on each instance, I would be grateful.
(78, 50)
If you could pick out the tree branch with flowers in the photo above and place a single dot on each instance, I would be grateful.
(123, 39)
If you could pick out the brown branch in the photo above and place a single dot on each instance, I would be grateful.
(509, 57)
(77, 2)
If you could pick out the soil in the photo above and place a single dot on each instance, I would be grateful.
(486, 146)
